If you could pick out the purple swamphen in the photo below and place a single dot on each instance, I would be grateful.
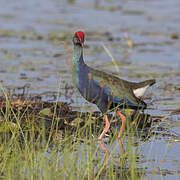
(108, 92)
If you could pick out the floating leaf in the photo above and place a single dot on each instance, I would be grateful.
(45, 112)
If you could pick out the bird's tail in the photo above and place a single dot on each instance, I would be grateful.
(149, 82)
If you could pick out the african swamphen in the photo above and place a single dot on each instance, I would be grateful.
(103, 89)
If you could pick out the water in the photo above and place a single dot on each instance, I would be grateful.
(31, 51)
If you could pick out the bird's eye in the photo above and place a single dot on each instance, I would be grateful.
(75, 40)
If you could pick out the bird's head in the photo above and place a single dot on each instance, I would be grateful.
(78, 38)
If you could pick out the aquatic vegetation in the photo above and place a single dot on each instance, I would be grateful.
(49, 140)
(43, 138)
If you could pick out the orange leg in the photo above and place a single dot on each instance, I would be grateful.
(123, 118)
(121, 146)
(103, 147)
(106, 128)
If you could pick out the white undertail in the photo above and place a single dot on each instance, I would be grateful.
(140, 91)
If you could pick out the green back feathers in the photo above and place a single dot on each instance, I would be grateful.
(113, 85)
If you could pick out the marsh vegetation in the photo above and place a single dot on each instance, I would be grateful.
(47, 130)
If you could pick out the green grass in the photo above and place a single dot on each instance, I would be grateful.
(27, 152)
(26, 155)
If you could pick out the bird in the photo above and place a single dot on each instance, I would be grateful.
(108, 92)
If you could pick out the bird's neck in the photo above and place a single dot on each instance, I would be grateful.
(77, 55)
